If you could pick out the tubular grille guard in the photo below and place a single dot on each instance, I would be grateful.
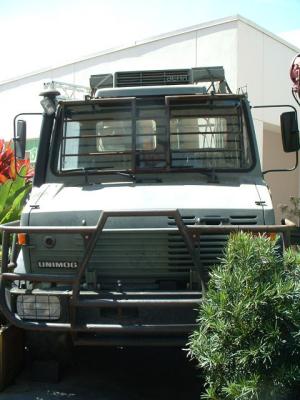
(189, 233)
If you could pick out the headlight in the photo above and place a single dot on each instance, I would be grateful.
(38, 307)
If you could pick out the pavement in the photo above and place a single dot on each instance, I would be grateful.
(114, 374)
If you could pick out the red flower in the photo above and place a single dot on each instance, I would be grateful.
(9, 165)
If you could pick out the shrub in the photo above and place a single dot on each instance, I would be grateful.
(248, 341)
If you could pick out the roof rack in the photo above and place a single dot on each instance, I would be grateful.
(69, 91)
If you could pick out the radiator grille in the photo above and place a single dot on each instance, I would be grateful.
(243, 220)
(141, 260)
(211, 248)
(148, 261)
(152, 78)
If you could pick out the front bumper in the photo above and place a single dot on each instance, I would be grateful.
(83, 307)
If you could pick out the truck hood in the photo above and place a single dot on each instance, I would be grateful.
(70, 205)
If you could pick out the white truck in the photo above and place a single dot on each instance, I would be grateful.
(136, 190)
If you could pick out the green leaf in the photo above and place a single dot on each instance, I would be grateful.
(16, 206)
(4, 193)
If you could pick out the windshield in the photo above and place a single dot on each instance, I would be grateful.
(150, 135)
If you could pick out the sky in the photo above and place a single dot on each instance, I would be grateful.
(39, 34)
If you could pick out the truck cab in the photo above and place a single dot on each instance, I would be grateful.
(136, 190)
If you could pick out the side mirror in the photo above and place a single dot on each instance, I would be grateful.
(20, 139)
(289, 131)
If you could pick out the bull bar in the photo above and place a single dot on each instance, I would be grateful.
(141, 299)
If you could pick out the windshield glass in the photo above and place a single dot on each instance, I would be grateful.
(209, 137)
(151, 135)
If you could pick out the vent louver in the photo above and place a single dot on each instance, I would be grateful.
(153, 78)
(187, 220)
(243, 219)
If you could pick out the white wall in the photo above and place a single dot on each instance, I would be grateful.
(173, 52)
(249, 56)
(263, 66)
(217, 45)
(210, 46)
(22, 96)
(283, 185)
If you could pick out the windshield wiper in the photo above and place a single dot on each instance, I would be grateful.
(86, 170)
(127, 174)
(211, 175)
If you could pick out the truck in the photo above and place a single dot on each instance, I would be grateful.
(137, 188)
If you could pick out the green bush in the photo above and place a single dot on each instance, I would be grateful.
(248, 342)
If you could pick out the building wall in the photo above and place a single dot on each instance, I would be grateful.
(283, 185)
(22, 96)
(263, 66)
(210, 46)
